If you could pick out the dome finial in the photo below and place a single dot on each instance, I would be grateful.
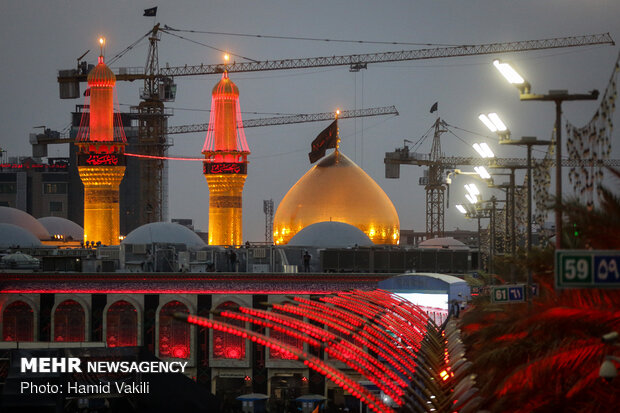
(101, 46)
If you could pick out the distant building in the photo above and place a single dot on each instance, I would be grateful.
(40, 189)
(409, 237)
(186, 222)
(130, 204)
(189, 223)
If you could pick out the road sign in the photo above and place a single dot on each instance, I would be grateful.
(584, 268)
(508, 293)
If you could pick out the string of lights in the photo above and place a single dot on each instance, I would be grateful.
(168, 158)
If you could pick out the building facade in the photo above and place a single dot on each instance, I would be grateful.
(40, 189)
(124, 314)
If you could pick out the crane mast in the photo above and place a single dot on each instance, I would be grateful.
(434, 186)
(152, 122)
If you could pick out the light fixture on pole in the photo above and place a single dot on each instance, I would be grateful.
(482, 172)
(494, 123)
(511, 75)
(472, 189)
(483, 150)
(471, 198)
(473, 192)
(461, 209)
(557, 96)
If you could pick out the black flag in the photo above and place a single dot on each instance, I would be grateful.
(328, 138)
(434, 107)
(152, 12)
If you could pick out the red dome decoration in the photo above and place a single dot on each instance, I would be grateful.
(101, 75)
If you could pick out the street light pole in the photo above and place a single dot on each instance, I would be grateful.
(513, 229)
(528, 141)
(479, 244)
(557, 96)
(492, 238)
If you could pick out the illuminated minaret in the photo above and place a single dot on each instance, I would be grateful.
(101, 158)
(225, 166)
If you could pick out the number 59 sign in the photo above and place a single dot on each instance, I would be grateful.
(583, 268)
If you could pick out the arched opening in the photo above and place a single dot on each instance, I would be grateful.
(122, 325)
(174, 335)
(277, 354)
(228, 346)
(69, 322)
(18, 322)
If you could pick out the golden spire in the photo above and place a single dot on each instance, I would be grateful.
(337, 133)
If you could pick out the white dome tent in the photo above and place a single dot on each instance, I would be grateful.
(444, 243)
(330, 234)
(14, 236)
(24, 220)
(164, 233)
(63, 227)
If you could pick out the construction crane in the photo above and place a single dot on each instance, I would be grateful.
(433, 184)
(355, 61)
(159, 88)
(285, 120)
(434, 176)
(50, 137)
(402, 156)
(152, 140)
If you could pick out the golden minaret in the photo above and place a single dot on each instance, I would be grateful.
(225, 165)
(101, 159)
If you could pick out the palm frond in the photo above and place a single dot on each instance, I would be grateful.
(557, 365)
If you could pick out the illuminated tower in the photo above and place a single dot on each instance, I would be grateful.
(225, 166)
(101, 157)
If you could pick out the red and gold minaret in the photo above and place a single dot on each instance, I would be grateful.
(225, 166)
(101, 158)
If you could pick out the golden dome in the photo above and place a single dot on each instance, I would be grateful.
(336, 189)
(101, 75)
(225, 87)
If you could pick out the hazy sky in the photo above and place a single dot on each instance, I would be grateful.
(41, 37)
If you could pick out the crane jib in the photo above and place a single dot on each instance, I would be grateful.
(359, 60)
(417, 54)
